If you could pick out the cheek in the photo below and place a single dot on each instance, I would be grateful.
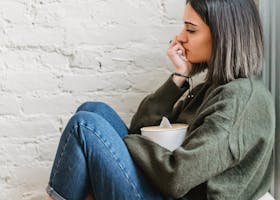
(199, 51)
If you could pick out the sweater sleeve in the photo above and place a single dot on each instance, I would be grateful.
(156, 105)
(205, 152)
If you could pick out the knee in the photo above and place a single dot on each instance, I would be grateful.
(84, 118)
(92, 106)
(83, 122)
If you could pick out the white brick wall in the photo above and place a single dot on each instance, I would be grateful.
(56, 54)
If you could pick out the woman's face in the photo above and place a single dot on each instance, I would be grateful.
(195, 37)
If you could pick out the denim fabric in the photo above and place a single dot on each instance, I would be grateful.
(92, 156)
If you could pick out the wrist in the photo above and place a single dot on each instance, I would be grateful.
(180, 75)
(182, 72)
(180, 80)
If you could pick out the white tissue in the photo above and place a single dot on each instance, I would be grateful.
(165, 123)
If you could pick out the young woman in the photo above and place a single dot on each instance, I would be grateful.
(227, 153)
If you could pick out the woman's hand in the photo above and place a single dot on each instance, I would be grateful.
(177, 54)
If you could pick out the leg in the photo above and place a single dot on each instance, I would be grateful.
(107, 113)
(91, 152)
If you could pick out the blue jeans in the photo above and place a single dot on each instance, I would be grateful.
(92, 156)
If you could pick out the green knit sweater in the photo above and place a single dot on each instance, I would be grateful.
(227, 153)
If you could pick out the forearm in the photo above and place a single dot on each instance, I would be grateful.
(154, 106)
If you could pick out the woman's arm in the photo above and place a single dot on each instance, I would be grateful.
(156, 105)
(204, 154)
(235, 123)
(160, 103)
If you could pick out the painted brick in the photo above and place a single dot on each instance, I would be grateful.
(57, 54)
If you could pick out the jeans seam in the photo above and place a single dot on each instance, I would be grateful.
(114, 156)
(60, 156)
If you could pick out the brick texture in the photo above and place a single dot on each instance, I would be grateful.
(57, 54)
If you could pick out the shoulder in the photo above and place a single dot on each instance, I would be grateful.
(239, 96)
(249, 102)
(228, 96)
(243, 90)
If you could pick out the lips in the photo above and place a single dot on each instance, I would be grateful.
(186, 50)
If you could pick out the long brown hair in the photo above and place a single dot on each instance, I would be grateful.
(237, 39)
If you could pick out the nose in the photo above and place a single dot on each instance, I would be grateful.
(182, 37)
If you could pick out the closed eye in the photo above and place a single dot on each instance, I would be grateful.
(190, 31)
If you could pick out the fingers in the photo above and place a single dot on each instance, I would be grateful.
(180, 49)
(177, 47)
(173, 42)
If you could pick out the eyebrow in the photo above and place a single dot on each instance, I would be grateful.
(189, 23)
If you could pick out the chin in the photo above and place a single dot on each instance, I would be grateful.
(195, 61)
